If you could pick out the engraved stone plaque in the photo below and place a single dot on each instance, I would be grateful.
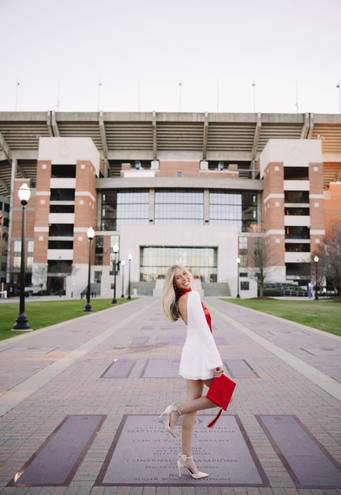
(323, 351)
(161, 368)
(55, 463)
(171, 339)
(239, 368)
(307, 461)
(39, 350)
(143, 453)
(119, 368)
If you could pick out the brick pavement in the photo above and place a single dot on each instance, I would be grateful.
(92, 344)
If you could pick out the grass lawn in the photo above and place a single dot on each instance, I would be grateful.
(324, 315)
(44, 313)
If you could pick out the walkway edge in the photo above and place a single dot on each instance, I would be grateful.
(325, 382)
(26, 335)
(295, 323)
(26, 388)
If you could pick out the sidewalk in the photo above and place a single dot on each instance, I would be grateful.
(79, 407)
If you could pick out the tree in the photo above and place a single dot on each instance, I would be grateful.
(329, 254)
(258, 257)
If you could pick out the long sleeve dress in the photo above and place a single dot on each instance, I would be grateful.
(199, 354)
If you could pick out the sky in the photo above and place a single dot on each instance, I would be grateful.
(178, 55)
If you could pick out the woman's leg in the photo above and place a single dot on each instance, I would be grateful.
(194, 391)
(196, 403)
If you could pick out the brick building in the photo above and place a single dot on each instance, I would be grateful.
(191, 188)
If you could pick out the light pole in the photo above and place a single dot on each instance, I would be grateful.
(316, 260)
(22, 323)
(116, 265)
(91, 235)
(129, 270)
(238, 263)
(123, 264)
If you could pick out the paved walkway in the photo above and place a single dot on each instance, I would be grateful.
(118, 367)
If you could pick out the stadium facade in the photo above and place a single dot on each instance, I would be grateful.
(194, 188)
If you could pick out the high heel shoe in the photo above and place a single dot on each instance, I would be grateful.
(168, 411)
(186, 462)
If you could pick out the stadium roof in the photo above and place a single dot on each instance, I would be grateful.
(143, 136)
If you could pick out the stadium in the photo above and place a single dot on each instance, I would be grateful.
(192, 188)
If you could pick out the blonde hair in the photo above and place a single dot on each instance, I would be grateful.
(168, 300)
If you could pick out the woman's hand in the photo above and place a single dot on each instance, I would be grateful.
(218, 371)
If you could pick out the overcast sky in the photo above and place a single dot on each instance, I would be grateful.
(188, 55)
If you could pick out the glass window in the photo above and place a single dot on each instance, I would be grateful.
(155, 261)
(242, 242)
(62, 208)
(238, 208)
(179, 206)
(122, 207)
(99, 250)
(17, 246)
(61, 230)
(63, 171)
(62, 195)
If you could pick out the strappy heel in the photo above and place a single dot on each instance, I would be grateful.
(168, 411)
(186, 462)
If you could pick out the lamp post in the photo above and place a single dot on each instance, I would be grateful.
(316, 260)
(22, 323)
(129, 270)
(238, 263)
(91, 235)
(116, 265)
(123, 264)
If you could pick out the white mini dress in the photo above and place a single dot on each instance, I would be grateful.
(199, 354)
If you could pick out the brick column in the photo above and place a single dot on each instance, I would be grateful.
(42, 208)
(85, 210)
(316, 202)
(273, 214)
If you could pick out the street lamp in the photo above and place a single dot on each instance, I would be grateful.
(116, 268)
(123, 264)
(238, 263)
(316, 260)
(91, 235)
(22, 323)
(129, 266)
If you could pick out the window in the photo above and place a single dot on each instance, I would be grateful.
(244, 285)
(60, 244)
(179, 206)
(297, 232)
(62, 195)
(99, 250)
(297, 248)
(122, 207)
(296, 196)
(296, 173)
(242, 244)
(298, 270)
(61, 230)
(296, 211)
(59, 266)
(155, 261)
(63, 171)
(62, 208)
(238, 208)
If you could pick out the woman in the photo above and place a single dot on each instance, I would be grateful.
(200, 359)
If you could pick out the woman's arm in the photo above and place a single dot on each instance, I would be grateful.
(197, 318)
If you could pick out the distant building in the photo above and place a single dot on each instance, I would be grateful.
(197, 189)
